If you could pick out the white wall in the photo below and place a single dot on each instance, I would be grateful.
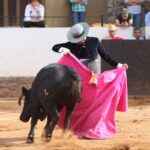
(147, 32)
(23, 52)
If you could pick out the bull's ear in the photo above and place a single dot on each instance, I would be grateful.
(25, 91)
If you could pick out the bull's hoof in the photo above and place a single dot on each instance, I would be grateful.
(63, 134)
(47, 138)
(30, 140)
(66, 134)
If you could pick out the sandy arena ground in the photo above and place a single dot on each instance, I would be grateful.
(133, 130)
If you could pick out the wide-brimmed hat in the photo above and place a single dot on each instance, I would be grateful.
(78, 32)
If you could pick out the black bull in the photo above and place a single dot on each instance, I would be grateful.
(54, 87)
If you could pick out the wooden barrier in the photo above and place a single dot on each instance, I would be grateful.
(137, 55)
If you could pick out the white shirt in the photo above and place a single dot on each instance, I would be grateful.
(134, 9)
(30, 12)
(147, 19)
(133, 38)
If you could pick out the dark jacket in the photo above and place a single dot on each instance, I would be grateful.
(89, 50)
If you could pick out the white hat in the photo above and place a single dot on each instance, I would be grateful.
(112, 27)
(78, 32)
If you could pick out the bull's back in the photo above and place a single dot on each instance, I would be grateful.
(55, 73)
(54, 79)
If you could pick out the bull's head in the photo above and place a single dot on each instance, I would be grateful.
(26, 112)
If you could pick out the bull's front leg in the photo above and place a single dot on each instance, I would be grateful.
(30, 138)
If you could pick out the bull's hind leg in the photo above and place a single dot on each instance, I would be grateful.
(51, 122)
(47, 127)
(69, 110)
(30, 138)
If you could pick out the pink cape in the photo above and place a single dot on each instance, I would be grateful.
(117, 38)
(102, 95)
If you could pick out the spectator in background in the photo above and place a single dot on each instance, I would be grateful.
(147, 19)
(34, 14)
(112, 33)
(134, 8)
(124, 19)
(78, 10)
(137, 34)
(120, 5)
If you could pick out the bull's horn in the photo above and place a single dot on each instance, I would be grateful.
(20, 98)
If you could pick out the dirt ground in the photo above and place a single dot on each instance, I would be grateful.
(133, 130)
